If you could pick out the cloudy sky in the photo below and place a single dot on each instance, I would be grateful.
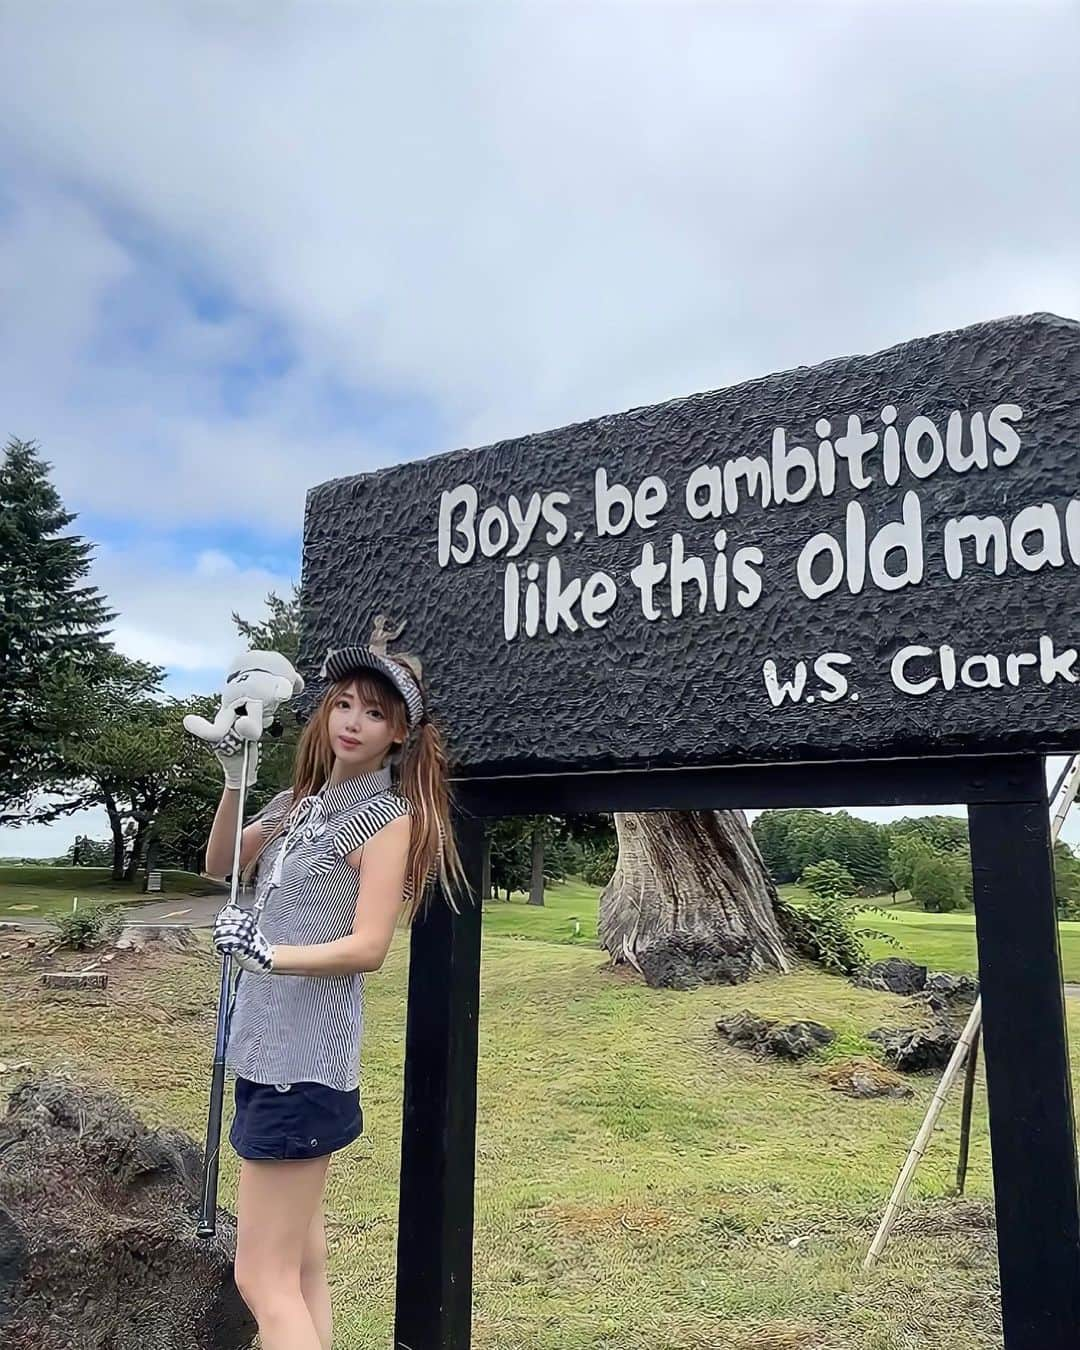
(245, 247)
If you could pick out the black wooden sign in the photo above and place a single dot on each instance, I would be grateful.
(875, 557)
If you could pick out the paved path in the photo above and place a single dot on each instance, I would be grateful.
(187, 911)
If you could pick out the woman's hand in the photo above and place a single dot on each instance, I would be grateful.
(229, 752)
(237, 934)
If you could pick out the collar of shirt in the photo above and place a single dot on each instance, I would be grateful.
(352, 791)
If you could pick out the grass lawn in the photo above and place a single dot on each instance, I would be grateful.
(638, 1182)
(38, 892)
(940, 941)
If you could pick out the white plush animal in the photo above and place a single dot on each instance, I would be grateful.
(257, 683)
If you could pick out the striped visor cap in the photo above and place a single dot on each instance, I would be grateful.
(347, 661)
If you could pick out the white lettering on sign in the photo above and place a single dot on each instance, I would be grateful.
(702, 558)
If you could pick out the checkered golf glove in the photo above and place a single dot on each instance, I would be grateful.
(237, 934)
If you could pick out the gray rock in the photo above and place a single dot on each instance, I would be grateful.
(894, 975)
(955, 988)
(745, 1030)
(866, 1085)
(917, 1049)
(170, 937)
(762, 1036)
(798, 1040)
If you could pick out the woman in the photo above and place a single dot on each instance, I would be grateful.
(338, 860)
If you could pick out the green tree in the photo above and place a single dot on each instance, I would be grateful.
(828, 877)
(85, 852)
(277, 631)
(944, 834)
(513, 841)
(1067, 880)
(935, 884)
(792, 840)
(131, 755)
(906, 851)
(53, 627)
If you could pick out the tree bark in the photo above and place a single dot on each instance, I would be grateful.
(691, 901)
(135, 856)
(536, 879)
(485, 883)
(116, 824)
(153, 848)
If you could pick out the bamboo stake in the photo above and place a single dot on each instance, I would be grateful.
(965, 1115)
(956, 1063)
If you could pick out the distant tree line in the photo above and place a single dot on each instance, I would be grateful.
(927, 856)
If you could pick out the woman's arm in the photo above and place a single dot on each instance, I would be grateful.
(219, 847)
(381, 864)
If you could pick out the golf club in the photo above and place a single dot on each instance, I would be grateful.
(208, 1211)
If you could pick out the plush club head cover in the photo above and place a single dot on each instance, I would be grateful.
(256, 685)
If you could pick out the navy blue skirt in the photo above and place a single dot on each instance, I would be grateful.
(305, 1120)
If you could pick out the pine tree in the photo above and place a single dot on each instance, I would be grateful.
(52, 625)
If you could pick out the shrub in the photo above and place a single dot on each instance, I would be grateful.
(598, 863)
(828, 877)
(823, 929)
(86, 926)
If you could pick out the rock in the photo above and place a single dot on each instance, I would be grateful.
(917, 1049)
(745, 1030)
(798, 1040)
(97, 1231)
(137, 937)
(894, 975)
(865, 1078)
(944, 991)
(762, 1036)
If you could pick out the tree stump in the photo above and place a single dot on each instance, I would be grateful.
(167, 937)
(75, 980)
(691, 901)
(97, 1231)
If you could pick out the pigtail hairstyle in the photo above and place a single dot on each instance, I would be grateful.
(424, 781)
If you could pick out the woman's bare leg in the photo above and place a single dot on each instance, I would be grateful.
(313, 1282)
(275, 1205)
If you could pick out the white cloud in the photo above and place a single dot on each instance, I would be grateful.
(211, 562)
(246, 248)
(179, 615)
(520, 214)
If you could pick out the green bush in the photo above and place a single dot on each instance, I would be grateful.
(823, 928)
(828, 877)
(86, 926)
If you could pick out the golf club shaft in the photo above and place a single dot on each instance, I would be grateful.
(208, 1209)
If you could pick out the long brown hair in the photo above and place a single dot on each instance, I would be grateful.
(422, 779)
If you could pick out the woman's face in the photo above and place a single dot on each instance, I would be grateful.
(361, 734)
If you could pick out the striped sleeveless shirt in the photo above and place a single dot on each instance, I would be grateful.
(299, 1028)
